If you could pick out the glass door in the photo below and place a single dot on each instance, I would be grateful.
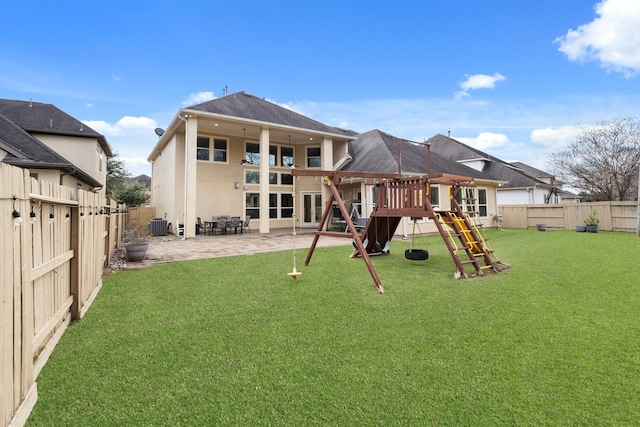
(311, 209)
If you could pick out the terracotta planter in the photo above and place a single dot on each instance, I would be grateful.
(136, 251)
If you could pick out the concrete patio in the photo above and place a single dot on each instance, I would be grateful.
(170, 248)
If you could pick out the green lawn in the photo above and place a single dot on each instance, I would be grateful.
(555, 340)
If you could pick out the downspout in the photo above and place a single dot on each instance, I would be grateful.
(73, 170)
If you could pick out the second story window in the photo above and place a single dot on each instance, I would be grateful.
(313, 157)
(252, 153)
(203, 148)
(286, 156)
(219, 150)
(207, 145)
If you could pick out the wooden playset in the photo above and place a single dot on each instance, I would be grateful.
(407, 197)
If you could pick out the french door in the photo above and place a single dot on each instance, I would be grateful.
(311, 209)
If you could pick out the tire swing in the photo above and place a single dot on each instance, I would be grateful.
(415, 254)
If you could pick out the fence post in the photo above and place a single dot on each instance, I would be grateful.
(76, 226)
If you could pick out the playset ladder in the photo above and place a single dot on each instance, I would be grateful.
(464, 242)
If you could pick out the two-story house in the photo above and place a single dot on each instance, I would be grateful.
(53, 145)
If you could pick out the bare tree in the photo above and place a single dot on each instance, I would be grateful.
(603, 161)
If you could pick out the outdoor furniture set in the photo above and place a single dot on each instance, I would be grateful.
(222, 225)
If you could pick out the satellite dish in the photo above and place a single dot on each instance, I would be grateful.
(159, 131)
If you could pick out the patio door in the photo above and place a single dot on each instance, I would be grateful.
(311, 209)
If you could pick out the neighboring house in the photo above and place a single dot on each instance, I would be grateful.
(143, 180)
(233, 156)
(53, 145)
(376, 151)
(520, 187)
(556, 194)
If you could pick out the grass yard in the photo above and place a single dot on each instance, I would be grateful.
(555, 340)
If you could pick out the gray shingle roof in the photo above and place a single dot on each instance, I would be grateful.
(531, 171)
(25, 148)
(247, 106)
(376, 151)
(36, 117)
(495, 168)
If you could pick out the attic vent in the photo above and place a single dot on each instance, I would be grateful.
(50, 123)
(81, 127)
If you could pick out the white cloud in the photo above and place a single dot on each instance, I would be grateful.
(478, 81)
(487, 141)
(198, 98)
(612, 39)
(556, 138)
(103, 127)
(116, 78)
(124, 126)
(137, 123)
(89, 105)
(481, 81)
(131, 138)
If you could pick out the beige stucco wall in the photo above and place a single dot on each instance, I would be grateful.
(217, 193)
(54, 175)
(163, 177)
(84, 153)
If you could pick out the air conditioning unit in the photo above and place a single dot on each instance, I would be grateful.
(158, 227)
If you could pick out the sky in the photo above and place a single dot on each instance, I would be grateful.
(516, 79)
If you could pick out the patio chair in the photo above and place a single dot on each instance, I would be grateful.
(221, 225)
(234, 223)
(199, 226)
(247, 220)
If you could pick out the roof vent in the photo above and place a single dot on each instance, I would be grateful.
(50, 123)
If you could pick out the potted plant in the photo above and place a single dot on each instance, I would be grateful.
(591, 222)
(135, 245)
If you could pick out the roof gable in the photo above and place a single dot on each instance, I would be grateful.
(247, 106)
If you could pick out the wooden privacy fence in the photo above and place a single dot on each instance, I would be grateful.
(52, 257)
(614, 216)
